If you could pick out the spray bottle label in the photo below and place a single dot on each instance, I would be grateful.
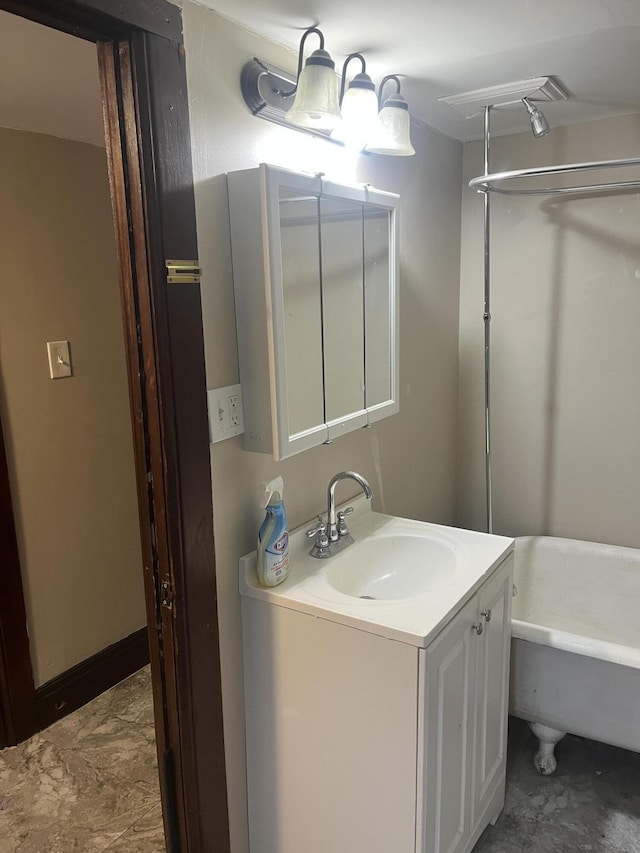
(277, 555)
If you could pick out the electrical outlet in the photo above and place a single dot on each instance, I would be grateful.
(234, 409)
(225, 413)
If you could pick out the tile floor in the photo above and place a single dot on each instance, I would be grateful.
(89, 782)
(591, 803)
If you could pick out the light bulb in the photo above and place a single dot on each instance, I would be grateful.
(359, 113)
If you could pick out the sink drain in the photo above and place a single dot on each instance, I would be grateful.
(368, 597)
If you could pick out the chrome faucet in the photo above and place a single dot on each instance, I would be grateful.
(333, 537)
(334, 522)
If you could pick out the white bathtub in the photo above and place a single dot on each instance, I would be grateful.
(575, 662)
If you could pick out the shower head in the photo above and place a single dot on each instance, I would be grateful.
(539, 124)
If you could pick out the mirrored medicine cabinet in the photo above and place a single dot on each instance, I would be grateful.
(315, 283)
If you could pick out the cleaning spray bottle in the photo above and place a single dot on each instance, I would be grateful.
(273, 536)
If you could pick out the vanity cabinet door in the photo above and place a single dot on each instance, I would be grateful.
(445, 724)
(492, 666)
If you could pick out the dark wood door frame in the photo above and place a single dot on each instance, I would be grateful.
(147, 131)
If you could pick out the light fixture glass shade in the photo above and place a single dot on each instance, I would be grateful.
(359, 113)
(393, 134)
(316, 102)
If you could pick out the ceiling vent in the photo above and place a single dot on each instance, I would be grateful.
(541, 89)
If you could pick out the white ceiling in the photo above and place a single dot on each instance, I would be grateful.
(449, 46)
(440, 47)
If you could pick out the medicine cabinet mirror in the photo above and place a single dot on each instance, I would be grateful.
(315, 282)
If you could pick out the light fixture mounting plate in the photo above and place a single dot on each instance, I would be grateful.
(537, 89)
(268, 92)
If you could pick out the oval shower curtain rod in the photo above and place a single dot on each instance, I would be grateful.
(490, 183)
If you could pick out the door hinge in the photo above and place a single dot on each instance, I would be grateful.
(183, 272)
(166, 594)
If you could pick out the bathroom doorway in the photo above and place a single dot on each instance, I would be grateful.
(68, 466)
(143, 89)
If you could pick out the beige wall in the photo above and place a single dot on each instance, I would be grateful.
(565, 342)
(409, 458)
(68, 440)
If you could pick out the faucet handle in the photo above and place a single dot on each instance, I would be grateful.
(321, 543)
(342, 527)
(319, 528)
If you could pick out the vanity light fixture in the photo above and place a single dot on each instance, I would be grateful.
(393, 134)
(316, 90)
(366, 122)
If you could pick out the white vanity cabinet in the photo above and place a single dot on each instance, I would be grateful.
(315, 275)
(462, 720)
(360, 743)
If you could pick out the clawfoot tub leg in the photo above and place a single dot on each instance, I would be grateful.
(544, 760)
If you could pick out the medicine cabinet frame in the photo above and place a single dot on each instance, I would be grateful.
(275, 400)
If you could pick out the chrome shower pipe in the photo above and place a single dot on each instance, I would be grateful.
(487, 326)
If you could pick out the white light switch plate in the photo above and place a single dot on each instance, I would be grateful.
(59, 359)
(225, 413)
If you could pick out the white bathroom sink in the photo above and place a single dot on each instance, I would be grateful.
(400, 578)
(387, 567)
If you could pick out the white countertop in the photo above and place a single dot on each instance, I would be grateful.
(408, 620)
